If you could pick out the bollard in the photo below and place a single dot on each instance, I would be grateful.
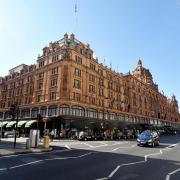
(46, 141)
(27, 143)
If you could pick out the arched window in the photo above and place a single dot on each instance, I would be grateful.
(112, 116)
(106, 115)
(91, 113)
(126, 118)
(77, 111)
(100, 114)
(64, 110)
(52, 110)
(34, 112)
(25, 113)
(120, 117)
(43, 111)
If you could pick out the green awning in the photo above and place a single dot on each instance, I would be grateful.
(21, 123)
(29, 123)
(10, 124)
(2, 123)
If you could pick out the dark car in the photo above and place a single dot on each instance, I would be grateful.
(148, 138)
(83, 136)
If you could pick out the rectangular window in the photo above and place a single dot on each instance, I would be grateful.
(110, 85)
(78, 59)
(91, 78)
(41, 75)
(117, 88)
(52, 95)
(77, 72)
(91, 88)
(39, 98)
(101, 82)
(55, 58)
(76, 96)
(81, 50)
(101, 102)
(26, 100)
(101, 92)
(110, 95)
(40, 85)
(53, 82)
(100, 72)
(92, 100)
(41, 64)
(54, 71)
(77, 84)
(92, 66)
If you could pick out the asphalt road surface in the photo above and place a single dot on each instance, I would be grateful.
(97, 160)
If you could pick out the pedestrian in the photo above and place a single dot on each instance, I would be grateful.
(52, 135)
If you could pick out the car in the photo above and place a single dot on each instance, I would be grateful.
(10, 134)
(148, 138)
(84, 136)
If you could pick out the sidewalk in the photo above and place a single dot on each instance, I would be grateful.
(7, 147)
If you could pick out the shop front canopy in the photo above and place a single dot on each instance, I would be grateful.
(21, 123)
(3, 123)
(10, 124)
(29, 123)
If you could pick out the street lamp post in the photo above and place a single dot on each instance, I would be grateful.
(14, 111)
(1, 128)
(17, 118)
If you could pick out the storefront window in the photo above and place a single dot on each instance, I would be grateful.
(100, 114)
(77, 111)
(34, 112)
(43, 111)
(112, 116)
(64, 110)
(25, 113)
(91, 113)
(52, 111)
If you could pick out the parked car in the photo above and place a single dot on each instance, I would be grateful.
(99, 137)
(84, 136)
(148, 138)
(9, 134)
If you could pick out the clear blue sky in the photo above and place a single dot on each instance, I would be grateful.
(120, 31)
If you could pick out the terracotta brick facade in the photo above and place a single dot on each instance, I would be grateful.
(68, 82)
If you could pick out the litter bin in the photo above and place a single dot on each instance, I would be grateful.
(27, 143)
(46, 141)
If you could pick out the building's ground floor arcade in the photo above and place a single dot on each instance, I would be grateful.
(72, 119)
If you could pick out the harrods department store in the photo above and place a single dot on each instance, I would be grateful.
(67, 84)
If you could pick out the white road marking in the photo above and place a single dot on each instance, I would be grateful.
(26, 164)
(145, 160)
(168, 176)
(114, 171)
(88, 145)
(123, 147)
(67, 147)
(3, 169)
(51, 159)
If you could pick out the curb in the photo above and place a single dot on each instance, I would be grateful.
(31, 151)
